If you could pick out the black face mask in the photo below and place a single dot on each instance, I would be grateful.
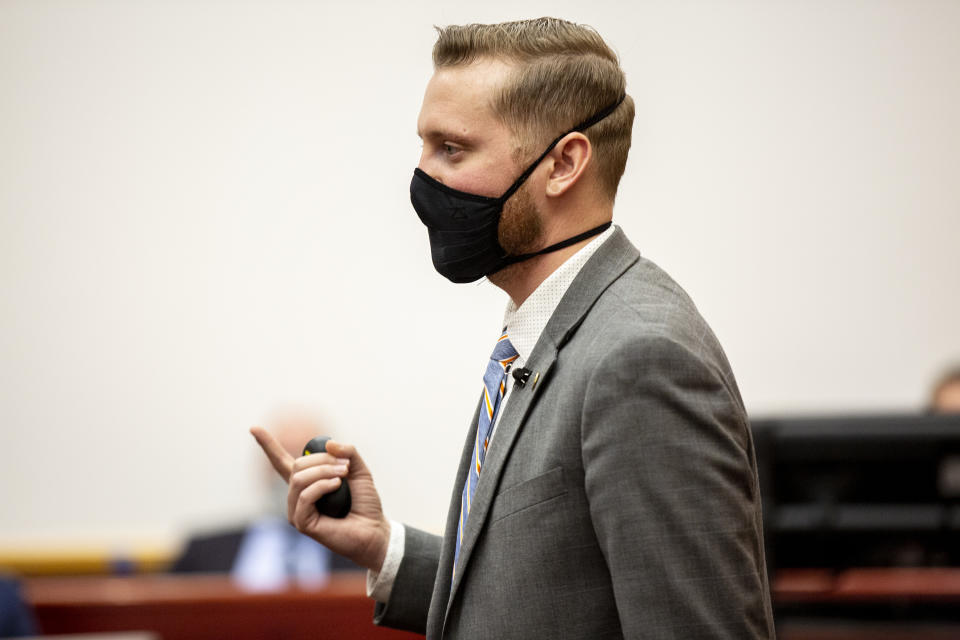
(463, 226)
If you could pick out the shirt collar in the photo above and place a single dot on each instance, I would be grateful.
(525, 323)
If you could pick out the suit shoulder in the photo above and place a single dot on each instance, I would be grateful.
(645, 315)
(645, 302)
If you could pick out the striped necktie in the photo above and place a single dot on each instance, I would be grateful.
(494, 387)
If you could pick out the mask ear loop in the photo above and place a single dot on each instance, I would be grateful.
(560, 245)
(586, 124)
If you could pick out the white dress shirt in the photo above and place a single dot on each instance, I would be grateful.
(524, 325)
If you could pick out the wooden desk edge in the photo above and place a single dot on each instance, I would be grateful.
(867, 584)
(151, 589)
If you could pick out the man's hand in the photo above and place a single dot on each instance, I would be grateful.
(364, 534)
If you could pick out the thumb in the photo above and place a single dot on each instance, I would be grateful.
(348, 451)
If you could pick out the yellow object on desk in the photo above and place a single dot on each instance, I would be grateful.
(83, 559)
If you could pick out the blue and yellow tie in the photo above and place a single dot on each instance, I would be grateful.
(494, 387)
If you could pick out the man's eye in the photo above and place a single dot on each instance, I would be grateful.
(449, 149)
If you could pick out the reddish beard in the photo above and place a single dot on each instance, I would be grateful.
(521, 227)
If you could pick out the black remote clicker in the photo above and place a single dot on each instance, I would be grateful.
(336, 504)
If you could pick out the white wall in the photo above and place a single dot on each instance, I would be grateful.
(204, 216)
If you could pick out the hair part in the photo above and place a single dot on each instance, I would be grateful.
(564, 73)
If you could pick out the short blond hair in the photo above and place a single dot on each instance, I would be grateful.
(565, 73)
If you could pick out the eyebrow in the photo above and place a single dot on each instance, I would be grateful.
(443, 134)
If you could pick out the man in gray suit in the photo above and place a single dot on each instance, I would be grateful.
(607, 487)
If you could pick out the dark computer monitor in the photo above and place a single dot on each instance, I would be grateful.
(860, 491)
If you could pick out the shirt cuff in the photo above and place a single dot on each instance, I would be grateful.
(379, 585)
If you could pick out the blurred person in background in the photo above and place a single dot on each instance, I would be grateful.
(946, 393)
(16, 619)
(268, 554)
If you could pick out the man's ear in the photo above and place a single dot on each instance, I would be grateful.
(571, 157)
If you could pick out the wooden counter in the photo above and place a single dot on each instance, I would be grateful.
(212, 607)
(867, 585)
(209, 607)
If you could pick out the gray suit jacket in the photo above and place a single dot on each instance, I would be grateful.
(619, 496)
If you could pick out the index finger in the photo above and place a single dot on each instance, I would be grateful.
(278, 456)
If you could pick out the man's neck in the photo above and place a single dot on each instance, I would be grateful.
(522, 279)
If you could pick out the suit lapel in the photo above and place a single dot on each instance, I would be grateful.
(603, 268)
(508, 426)
(613, 257)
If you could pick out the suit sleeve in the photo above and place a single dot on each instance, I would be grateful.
(671, 483)
(410, 597)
